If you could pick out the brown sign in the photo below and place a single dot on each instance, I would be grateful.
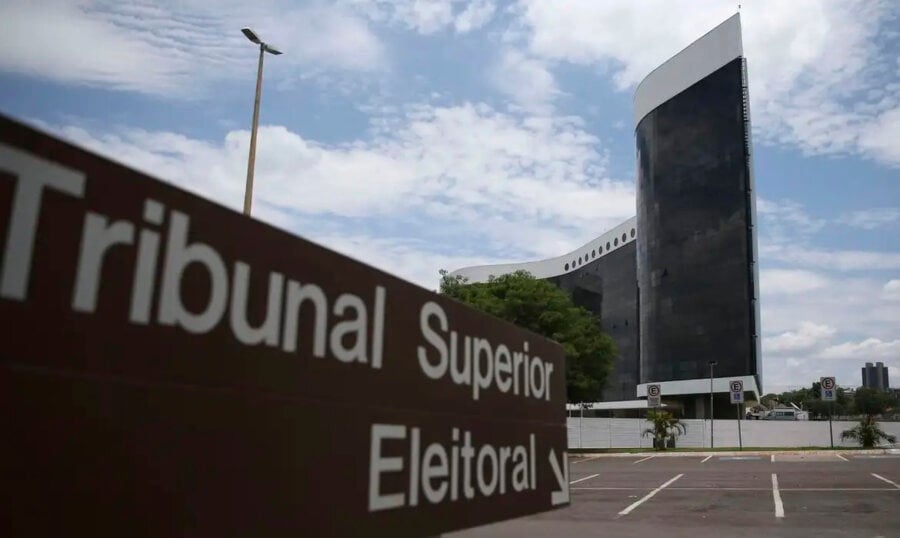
(170, 367)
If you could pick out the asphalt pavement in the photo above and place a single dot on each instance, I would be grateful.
(816, 494)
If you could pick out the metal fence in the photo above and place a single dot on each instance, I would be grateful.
(626, 433)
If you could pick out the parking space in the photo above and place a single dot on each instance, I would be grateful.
(722, 495)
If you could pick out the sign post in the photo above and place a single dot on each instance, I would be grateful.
(183, 369)
(828, 392)
(737, 398)
(654, 396)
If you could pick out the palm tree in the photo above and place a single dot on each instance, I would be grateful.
(665, 426)
(867, 433)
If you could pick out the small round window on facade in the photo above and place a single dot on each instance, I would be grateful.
(607, 246)
(632, 232)
(616, 242)
(624, 238)
(579, 260)
(594, 253)
(567, 267)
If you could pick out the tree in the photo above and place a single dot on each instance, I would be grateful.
(541, 307)
(867, 433)
(665, 426)
(873, 401)
(810, 400)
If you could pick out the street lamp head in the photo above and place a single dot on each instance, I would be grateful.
(251, 35)
(713, 363)
(271, 50)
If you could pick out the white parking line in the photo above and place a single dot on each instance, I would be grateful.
(647, 497)
(842, 457)
(583, 479)
(706, 458)
(779, 507)
(718, 488)
(645, 459)
(589, 458)
(773, 458)
(891, 482)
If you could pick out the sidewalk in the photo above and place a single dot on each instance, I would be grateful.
(677, 454)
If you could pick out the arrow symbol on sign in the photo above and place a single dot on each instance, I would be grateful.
(561, 495)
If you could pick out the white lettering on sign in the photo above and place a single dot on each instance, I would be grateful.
(34, 174)
(345, 331)
(439, 473)
(479, 364)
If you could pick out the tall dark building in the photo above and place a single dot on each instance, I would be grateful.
(875, 376)
(696, 248)
(676, 287)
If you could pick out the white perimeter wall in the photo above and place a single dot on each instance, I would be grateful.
(626, 433)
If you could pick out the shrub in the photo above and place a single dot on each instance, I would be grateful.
(665, 426)
(867, 433)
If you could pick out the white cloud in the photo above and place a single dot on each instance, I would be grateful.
(892, 290)
(412, 260)
(855, 305)
(175, 48)
(520, 187)
(428, 16)
(786, 218)
(526, 80)
(871, 219)
(792, 373)
(790, 281)
(833, 260)
(476, 15)
(809, 335)
(627, 34)
(867, 350)
(820, 78)
(880, 138)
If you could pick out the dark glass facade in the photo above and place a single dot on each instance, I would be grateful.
(608, 287)
(695, 245)
(875, 376)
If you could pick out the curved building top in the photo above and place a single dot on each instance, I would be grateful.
(593, 250)
(719, 46)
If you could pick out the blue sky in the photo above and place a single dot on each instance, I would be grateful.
(420, 135)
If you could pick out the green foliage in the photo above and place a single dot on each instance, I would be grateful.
(541, 307)
(867, 433)
(810, 400)
(863, 402)
(665, 425)
(873, 401)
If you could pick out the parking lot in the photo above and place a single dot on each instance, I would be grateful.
(826, 494)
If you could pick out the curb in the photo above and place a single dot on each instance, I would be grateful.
(876, 451)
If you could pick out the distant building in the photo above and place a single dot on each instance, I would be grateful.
(875, 376)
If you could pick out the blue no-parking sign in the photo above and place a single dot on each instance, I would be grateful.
(828, 389)
(737, 391)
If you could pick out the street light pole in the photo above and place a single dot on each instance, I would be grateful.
(712, 418)
(251, 160)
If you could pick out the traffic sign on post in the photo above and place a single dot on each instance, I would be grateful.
(828, 389)
(736, 387)
(654, 396)
(737, 391)
(182, 369)
(828, 392)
